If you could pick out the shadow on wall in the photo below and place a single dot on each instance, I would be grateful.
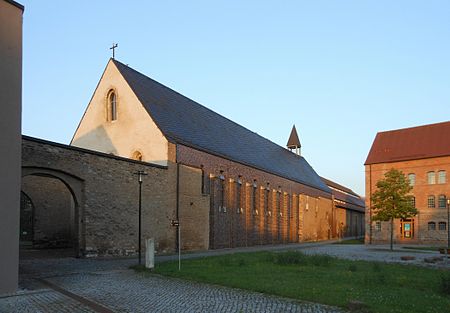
(97, 140)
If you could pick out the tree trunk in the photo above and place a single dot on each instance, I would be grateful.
(392, 233)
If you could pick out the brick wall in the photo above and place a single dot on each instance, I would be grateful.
(106, 190)
(421, 191)
(193, 210)
(265, 214)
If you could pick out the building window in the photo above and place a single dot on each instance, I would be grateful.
(255, 210)
(137, 156)
(378, 226)
(279, 200)
(431, 176)
(431, 226)
(441, 177)
(266, 201)
(442, 226)
(112, 105)
(222, 191)
(412, 201)
(412, 179)
(442, 201)
(238, 195)
(431, 202)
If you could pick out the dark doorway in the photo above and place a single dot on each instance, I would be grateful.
(47, 215)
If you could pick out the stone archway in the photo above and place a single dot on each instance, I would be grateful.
(56, 199)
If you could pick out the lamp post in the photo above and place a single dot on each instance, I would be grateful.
(140, 174)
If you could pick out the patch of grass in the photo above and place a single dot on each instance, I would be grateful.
(298, 258)
(445, 284)
(290, 257)
(381, 287)
(350, 242)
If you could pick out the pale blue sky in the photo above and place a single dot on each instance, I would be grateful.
(340, 70)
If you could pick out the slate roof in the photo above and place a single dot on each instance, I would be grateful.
(413, 143)
(186, 122)
(352, 200)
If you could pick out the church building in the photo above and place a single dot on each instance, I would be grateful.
(210, 183)
(422, 153)
(253, 190)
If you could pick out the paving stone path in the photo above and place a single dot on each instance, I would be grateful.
(80, 285)
(41, 301)
(126, 291)
(107, 285)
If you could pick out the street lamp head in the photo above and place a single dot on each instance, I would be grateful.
(140, 174)
(448, 201)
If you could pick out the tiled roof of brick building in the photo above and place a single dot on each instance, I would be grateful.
(419, 142)
(347, 198)
(186, 122)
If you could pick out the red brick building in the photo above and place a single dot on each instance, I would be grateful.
(349, 210)
(423, 154)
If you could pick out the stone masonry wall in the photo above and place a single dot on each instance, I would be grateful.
(107, 213)
(53, 216)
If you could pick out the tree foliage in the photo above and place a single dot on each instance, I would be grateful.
(392, 199)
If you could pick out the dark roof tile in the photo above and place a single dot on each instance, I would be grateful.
(187, 122)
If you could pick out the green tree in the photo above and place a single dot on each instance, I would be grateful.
(391, 200)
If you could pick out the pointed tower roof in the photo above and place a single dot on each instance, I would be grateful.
(293, 141)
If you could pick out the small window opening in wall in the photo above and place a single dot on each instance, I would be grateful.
(378, 226)
(441, 177)
(222, 191)
(255, 211)
(442, 226)
(412, 179)
(431, 177)
(137, 156)
(112, 105)
(442, 202)
(431, 202)
(431, 226)
(412, 201)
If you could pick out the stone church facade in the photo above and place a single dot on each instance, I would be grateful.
(423, 154)
(225, 185)
(260, 193)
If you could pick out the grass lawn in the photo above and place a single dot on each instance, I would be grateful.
(322, 279)
(350, 242)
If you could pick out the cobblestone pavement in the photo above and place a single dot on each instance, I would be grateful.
(126, 291)
(109, 283)
(44, 300)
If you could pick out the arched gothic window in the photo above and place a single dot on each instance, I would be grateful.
(112, 105)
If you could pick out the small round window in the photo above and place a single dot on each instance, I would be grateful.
(137, 156)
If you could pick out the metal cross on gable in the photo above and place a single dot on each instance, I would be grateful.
(114, 46)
